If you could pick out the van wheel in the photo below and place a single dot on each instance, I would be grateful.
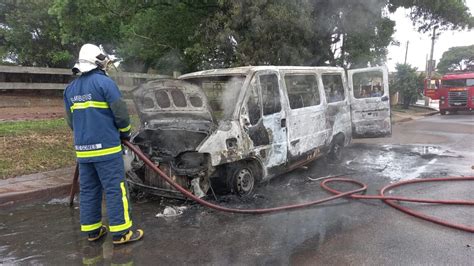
(335, 154)
(442, 112)
(242, 180)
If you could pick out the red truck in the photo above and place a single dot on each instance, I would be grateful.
(431, 88)
(456, 93)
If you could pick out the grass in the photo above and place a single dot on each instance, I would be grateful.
(36, 146)
(27, 127)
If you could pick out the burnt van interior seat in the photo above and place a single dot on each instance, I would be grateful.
(296, 101)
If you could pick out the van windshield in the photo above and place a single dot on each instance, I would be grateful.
(222, 93)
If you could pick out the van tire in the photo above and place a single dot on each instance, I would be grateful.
(335, 153)
(442, 112)
(242, 179)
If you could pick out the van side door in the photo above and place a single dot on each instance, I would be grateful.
(266, 123)
(370, 105)
(307, 124)
(338, 108)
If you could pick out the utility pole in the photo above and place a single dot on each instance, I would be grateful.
(430, 64)
(426, 65)
(406, 53)
(433, 37)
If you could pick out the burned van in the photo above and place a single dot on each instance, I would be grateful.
(237, 127)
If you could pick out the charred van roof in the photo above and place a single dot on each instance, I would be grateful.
(242, 71)
(235, 71)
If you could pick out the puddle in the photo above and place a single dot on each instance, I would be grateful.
(427, 150)
(399, 162)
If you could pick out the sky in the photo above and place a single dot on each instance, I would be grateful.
(420, 43)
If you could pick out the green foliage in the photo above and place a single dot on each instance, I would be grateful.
(459, 58)
(149, 34)
(30, 36)
(447, 14)
(406, 82)
(89, 21)
(346, 33)
(158, 37)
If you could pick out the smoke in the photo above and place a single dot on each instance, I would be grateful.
(230, 95)
(170, 62)
(222, 94)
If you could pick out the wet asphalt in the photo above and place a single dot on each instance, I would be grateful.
(336, 233)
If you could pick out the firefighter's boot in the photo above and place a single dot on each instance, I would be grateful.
(97, 234)
(127, 237)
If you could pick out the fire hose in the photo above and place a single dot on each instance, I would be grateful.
(353, 194)
(337, 194)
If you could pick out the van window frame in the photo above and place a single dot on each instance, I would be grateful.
(253, 79)
(303, 73)
(375, 91)
(259, 86)
(326, 96)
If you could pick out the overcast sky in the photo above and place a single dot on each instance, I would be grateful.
(420, 44)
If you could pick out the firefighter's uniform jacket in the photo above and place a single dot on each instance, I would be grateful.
(99, 118)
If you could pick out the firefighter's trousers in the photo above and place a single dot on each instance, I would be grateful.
(108, 177)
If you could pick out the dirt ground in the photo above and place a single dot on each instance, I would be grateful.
(29, 107)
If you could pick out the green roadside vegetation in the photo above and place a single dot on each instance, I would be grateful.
(36, 146)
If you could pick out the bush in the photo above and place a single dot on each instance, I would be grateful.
(406, 83)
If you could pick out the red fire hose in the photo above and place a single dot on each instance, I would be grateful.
(337, 194)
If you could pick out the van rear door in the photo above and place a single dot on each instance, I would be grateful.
(370, 104)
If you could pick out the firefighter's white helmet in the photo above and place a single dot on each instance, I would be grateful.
(91, 57)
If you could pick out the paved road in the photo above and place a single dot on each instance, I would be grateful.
(342, 232)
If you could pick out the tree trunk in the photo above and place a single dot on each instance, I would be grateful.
(406, 102)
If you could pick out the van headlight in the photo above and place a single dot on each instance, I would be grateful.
(442, 98)
(442, 102)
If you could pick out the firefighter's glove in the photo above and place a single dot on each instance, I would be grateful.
(125, 136)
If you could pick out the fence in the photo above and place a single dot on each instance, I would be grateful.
(42, 78)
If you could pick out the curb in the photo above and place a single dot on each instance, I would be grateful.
(20, 198)
(424, 107)
(403, 120)
(432, 113)
(38, 187)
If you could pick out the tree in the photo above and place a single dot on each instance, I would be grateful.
(406, 82)
(345, 33)
(446, 14)
(29, 36)
(158, 37)
(145, 34)
(460, 58)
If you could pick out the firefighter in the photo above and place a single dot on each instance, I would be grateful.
(99, 119)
